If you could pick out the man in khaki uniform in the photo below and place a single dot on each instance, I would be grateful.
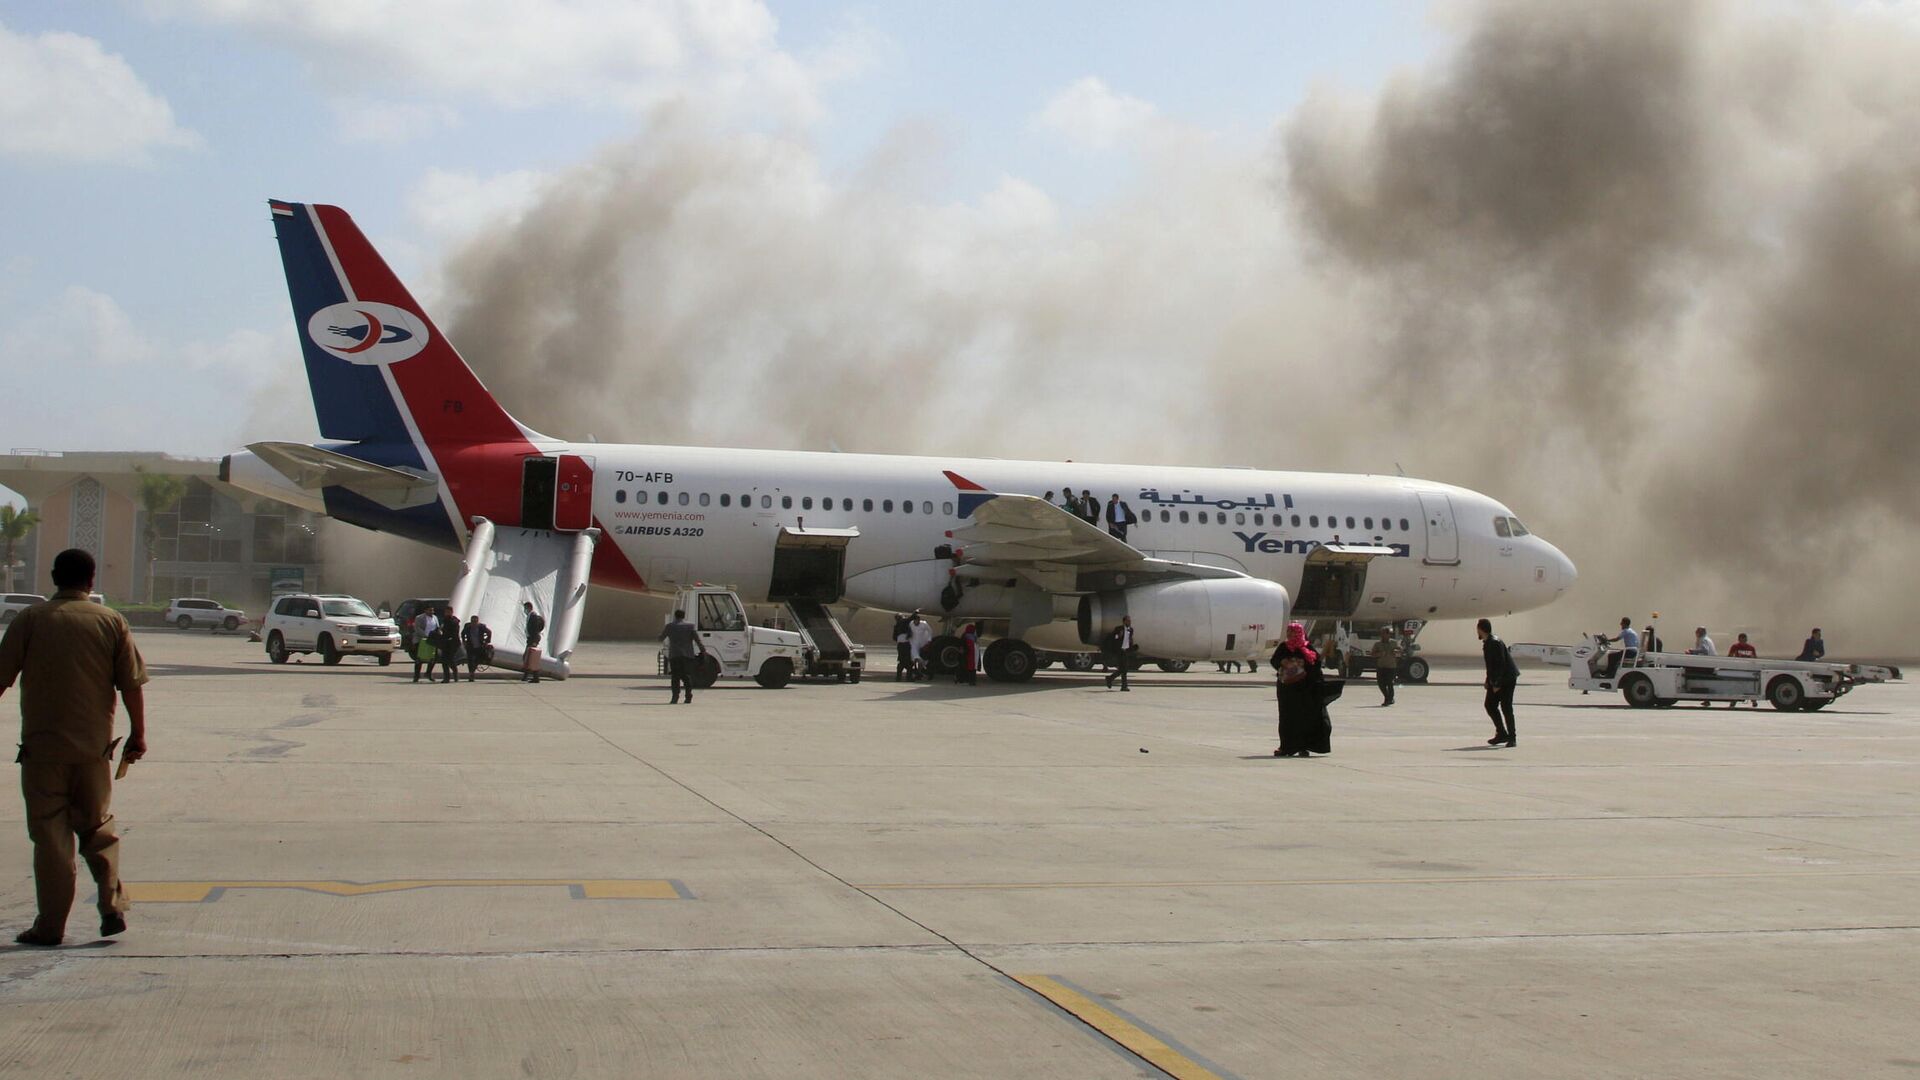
(74, 654)
(1386, 660)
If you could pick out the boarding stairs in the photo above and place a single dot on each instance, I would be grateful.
(504, 568)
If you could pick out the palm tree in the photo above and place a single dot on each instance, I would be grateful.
(159, 493)
(15, 524)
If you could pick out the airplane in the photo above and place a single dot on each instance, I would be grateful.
(1217, 562)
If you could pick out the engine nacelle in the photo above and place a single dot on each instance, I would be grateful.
(1212, 619)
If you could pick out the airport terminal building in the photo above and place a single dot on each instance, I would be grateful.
(216, 541)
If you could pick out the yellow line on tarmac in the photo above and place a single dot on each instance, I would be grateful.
(1118, 1028)
(1451, 880)
(200, 892)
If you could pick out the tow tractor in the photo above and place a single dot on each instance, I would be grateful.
(1660, 679)
(736, 649)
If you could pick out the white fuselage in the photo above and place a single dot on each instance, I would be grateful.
(685, 514)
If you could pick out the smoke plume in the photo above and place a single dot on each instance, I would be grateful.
(1646, 271)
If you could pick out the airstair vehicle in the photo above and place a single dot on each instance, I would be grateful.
(505, 568)
(1660, 679)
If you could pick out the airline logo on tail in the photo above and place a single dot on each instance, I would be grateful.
(362, 332)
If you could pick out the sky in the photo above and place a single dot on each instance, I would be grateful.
(141, 305)
(1642, 270)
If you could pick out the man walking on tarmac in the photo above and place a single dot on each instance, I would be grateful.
(74, 654)
(683, 648)
(1123, 648)
(1386, 660)
(535, 627)
(1503, 675)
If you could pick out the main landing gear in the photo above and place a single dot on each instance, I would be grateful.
(1007, 660)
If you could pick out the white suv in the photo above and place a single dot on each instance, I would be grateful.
(14, 603)
(331, 625)
(188, 613)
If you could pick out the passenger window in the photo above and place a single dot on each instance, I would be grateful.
(1183, 517)
(867, 505)
(766, 502)
(846, 504)
(1404, 526)
(927, 508)
(1296, 520)
(906, 506)
(1369, 523)
(1165, 517)
(946, 508)
(662, 499)
(705, 498)
(887, 506)
(1500, 527)
(725, 499)
(786, 502)
(1349, 523)
(1314, 520)
(683, 498)
(620, 496)
(806, 502)
(1239, 519)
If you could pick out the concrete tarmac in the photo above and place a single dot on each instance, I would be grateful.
(339, 873)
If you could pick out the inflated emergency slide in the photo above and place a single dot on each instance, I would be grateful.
(506, 568)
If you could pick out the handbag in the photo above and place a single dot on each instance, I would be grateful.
(426, 651)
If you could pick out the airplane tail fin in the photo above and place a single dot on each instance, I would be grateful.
(379, 369)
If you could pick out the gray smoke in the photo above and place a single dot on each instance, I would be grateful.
(1645, 270)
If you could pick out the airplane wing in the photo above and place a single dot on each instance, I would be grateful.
(313, 468)
(1052, 548)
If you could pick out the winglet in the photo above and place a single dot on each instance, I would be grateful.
(971, 494)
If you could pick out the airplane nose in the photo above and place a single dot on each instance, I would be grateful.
(1568, 573)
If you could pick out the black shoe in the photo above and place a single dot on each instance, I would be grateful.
(1277, 753)
(689, 699)
(673, 701)
(41, 938)
(110, 925)
(1512, 740)
(1126, 689)
(1497, 739)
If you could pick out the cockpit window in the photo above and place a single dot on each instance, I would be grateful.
(1518, 529)
(1500, 527)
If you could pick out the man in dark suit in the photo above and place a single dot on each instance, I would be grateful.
(1503, 675)
(1119, 516)
(1122, 647)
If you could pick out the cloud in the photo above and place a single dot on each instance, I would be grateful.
(627, 54)
(1092, 115)
(357, 119)
(65, 98)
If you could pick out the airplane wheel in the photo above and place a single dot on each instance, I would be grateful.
(1417, 670)
(1174, 666)
(945, 655)
(276, 648)
(1009, 660)
(706, 671)
(1080, 661)
(1785, 693)
(773, 675)
(1639, 691)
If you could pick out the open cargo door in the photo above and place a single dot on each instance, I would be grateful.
(809, 564)
(1334, 580)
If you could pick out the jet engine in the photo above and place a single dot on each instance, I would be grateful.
(1212, 619)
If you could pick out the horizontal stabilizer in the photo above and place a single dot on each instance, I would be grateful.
(312, 468)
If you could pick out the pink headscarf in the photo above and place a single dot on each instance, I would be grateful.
(1297, 637)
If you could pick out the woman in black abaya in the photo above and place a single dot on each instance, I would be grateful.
(1304, 727)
